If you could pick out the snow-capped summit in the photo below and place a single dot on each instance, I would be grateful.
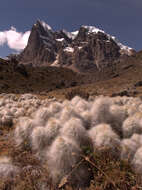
(71, 35)
(92, 29)
(123, 48)
(45, 26)
(88, 48)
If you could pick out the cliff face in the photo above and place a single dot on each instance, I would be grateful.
(90, 51)
(83, 50)
(40, 49)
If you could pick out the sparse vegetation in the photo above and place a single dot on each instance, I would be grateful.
(77, 92)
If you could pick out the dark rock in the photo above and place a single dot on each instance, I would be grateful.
(73, 83)
(21, 69)
(1, 77)
(127, 67)
(128, 92)
(122, 93)
(115, 75)
(4, 86)
(139, 83)
(1, 132)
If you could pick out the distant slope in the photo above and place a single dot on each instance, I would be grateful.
(126, 74)
(127, 80)
(16, 78)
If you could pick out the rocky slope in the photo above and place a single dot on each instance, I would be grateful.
(124, 78)
(88, 49)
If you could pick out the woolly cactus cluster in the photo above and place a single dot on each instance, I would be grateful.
(58, 134)
(12, 107)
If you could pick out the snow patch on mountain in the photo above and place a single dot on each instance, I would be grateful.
(56, 62)
(71, 35)
(60, 39)
(45, 25)
(69, 49)
(79, 47)
(74, 34)
(92, 29)
(124, 49)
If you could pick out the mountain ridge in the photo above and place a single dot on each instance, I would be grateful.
(84, 50)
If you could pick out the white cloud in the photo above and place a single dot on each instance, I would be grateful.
(2, 38)
(15, 40)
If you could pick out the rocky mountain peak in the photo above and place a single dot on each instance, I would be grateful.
(43, 29)
(40, 47)
(85, 49)
(43, 25)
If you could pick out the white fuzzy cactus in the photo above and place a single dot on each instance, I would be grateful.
(74, 130)
(103, 137)
(42, 115)
(117, 116)
(82, 105)
(67, 113)
(100, 110)
(128, 149)
(55, 107)
(42, 137)
(129, 146)
(132, 125)
(137, 161)
(64, 155)
(87, 118)
(75, 100)
(23, 132)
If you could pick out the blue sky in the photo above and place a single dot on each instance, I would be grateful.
(121, 18)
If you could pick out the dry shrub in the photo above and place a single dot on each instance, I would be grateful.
(30, 178)
(77, 92)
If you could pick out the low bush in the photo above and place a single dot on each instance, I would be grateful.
(77, 92)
